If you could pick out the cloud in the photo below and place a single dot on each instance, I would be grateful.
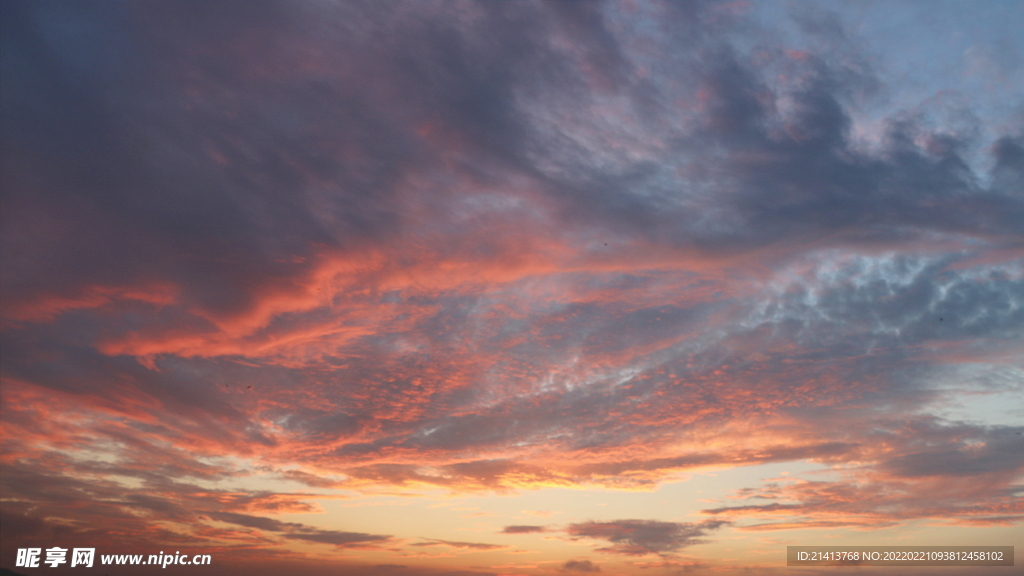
(337, 538)
(642, 537)
(929, 466)
(460, 545)
(523, 529)
(580, 566)
(296, 531)
(253, 521)
(488, 247)
(975, 454)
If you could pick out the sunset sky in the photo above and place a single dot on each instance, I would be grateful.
(513, 288)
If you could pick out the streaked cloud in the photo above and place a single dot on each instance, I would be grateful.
(298, 531)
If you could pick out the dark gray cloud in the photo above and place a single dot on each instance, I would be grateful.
(641, 537)
(131, 135)
(253, 521)
(967, 471)
(297, 531)
(960, 451)
(581, 566)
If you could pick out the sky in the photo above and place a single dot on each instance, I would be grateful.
(478, 288)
